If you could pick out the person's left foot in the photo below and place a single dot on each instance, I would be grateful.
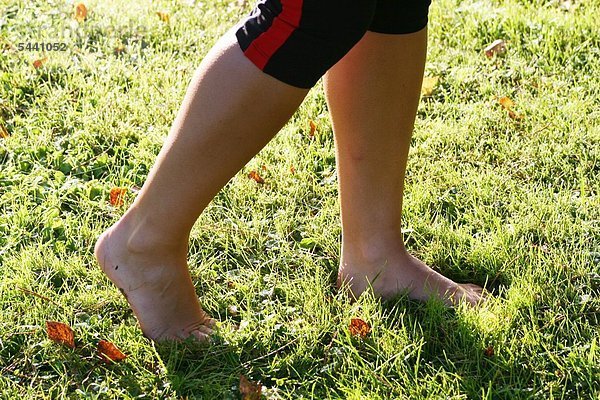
(399, 272)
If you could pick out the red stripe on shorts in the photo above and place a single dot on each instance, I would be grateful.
(263, 47)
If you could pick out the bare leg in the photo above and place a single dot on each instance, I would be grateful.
(373, 94)
(230, 111)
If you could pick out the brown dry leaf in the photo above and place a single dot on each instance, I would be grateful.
(3, 132)
(250, 390)
(506, 103)
(489, 351)
(109, 353)
(292, 169)
(514, 115)
(254, 175)
(119, 49)
(358, 327)
(60, 333)
(497, 47)
(38, 63)
(428, 86)
(164, 17)
(117, 196)
(313, 129)
(80, 12)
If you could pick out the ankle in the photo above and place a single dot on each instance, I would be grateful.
(143, 236)
(373, 250)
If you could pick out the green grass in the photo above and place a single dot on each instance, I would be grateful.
(512, 203)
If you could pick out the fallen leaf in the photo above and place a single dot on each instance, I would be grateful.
(263, 167)
(254, 175)
(119, 49)
(60, 333)
(313, 129)
(164, 17)
(250, 390)
(514, 115)
(38, 63)
(3, 132)
(428, 86)
(358, 327)
(109, 353)
(506, 103)
(497, 47)
(489, 351)
(292, 169)
(117, 196)
(80, 12)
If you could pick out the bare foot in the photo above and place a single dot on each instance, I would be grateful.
(400, 272)
(157, 285)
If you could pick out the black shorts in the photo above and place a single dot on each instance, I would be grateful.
(297, 41)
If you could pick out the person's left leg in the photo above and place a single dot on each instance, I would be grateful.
(373, 94)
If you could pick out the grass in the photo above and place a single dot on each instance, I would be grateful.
(511, 203)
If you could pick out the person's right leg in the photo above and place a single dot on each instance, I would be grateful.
(231, 110)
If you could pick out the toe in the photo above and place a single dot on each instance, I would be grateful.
(205, 329)
(201, 336)
(209, 322)
(472, 287)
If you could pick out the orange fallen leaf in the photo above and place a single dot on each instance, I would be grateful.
(358, 327)
(3, 132)
(506, 103)
(497, 47)
(292, 169)
(164, 17)
(489, 351)
(117, 196)
(428, 86)
(254, 175)
(80, 12)
(60, 333)
(109, 353)
(263, 167)
(313, 129)
(250, 390)
(119, 49)
(38, 63)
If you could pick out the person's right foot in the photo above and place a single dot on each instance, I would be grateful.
(157, 285)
